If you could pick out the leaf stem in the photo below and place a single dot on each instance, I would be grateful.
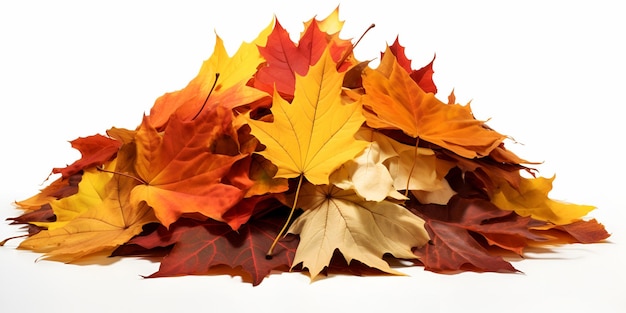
(268, 255)
(217, 75)
(345, 55)
(406, 192)
(101, 169)
(3, 242)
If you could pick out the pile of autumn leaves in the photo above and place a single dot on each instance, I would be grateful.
(376, 166)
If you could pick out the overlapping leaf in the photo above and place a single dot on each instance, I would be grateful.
(453, 246)
(230, 87)
(394, 101)
(361, 230)
(200, 246)
(180, 173)
(423, 77)
(92, 193)
(313, 135)
(286, 59)
(100, 227)
(95, 150)
(531, 199)
(386, 170)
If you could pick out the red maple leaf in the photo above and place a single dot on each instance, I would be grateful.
(285, 58)
(95, 150)
(200, 246)
(423, 77)
(454, 232)
(590, 231)
(585, 231)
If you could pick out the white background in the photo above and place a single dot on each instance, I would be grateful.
(551, 75)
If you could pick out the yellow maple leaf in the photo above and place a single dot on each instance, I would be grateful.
(531, 199)
(313, 135)
(100, 228)
(331, 25)
(91, 192)
(361, 230)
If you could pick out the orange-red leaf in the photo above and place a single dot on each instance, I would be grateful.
(230, 90)
(95, 150)
(423, 77)
(285, 59)
(181, 175)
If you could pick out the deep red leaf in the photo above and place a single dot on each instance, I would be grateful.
(201, 246)
(453, 249)
(453, 227)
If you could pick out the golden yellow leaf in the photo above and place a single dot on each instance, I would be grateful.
(361, 230)
(91, 192)
(330, 25)
(101, 228)
(531, 199)
(313, 135)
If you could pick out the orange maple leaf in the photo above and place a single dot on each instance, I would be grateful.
(181, 175)
(229, 89)
(393, 100)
